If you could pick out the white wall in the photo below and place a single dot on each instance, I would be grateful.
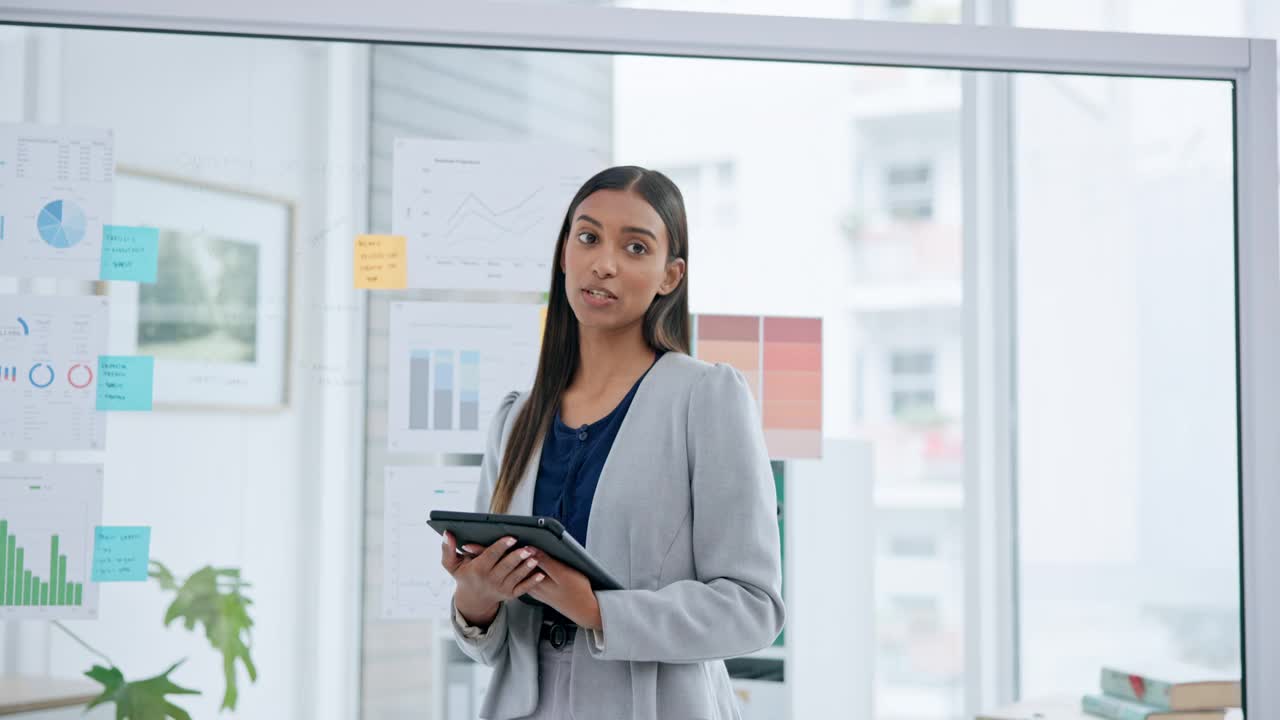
(234, 489)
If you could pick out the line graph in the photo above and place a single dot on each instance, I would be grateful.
(414, 584)
(482, 215)
(474, 221)
(473, 199)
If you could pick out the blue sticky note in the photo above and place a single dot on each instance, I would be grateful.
(130, 253)
(121, 554)
(124, 382)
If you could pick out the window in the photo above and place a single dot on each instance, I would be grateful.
(916, 606)
(908, 191)
(913, 546)
(898, 9)
(1106, 430)
(912, 384)
(1106, 426)
(709, 193)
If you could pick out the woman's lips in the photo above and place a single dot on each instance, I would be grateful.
(597, 301)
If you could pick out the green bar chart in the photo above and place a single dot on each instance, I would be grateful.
(47, 518)
(47, 591)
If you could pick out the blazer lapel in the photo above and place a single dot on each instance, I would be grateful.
(598, 541)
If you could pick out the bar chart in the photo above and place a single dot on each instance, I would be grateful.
(432, 389)
(47, 518)
(450, 366)
(21, 587)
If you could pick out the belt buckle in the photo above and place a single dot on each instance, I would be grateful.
(559, 635)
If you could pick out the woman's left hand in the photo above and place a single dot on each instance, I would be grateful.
(568, 591)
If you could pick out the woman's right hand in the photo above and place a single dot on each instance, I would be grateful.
(489, 577)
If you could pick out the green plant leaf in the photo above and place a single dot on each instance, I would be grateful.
(141, 700)
(163, 576)
(211, 597)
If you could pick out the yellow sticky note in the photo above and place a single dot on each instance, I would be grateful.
(380, 262)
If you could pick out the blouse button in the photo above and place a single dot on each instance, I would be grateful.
(582, 435)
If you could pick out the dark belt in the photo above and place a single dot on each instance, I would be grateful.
(557, 633)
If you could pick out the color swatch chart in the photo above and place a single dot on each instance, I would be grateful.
(450, 366)
(414, 583)
(479, 215)
(47, 518)
(49, 348)
(55, 196)
(781, 359)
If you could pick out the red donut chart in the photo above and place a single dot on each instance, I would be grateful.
(88, 380)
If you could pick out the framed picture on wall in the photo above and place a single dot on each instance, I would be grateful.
(217, 318)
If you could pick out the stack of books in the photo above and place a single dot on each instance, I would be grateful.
(1163, 694)
(1171, 693)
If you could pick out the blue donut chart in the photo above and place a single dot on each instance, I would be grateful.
(31, 375)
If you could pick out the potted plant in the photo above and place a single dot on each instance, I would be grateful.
(212, 598)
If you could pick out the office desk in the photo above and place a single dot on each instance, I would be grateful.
(22, 696)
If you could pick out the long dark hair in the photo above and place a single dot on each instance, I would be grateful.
(666, 322)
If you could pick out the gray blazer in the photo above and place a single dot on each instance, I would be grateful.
(685, 517)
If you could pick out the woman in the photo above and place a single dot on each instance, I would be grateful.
(653, 460)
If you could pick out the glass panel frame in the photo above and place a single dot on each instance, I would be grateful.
(1249, 64)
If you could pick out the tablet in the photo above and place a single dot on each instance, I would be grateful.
(544, 533)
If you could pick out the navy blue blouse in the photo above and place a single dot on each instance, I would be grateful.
(572, 459)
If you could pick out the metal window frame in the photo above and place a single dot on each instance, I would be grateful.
(1248, 64)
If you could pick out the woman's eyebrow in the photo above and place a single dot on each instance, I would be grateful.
(629, 228)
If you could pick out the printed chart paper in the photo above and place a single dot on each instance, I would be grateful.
(49, 348)
(483, 215)
(414, 583)
(450, 365)
(47, 518)
(55, 197)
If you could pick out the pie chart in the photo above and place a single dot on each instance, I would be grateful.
(61, 224)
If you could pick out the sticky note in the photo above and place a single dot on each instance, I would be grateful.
(380, 262)
(124, 382)
(130, 253)
(121, 554)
